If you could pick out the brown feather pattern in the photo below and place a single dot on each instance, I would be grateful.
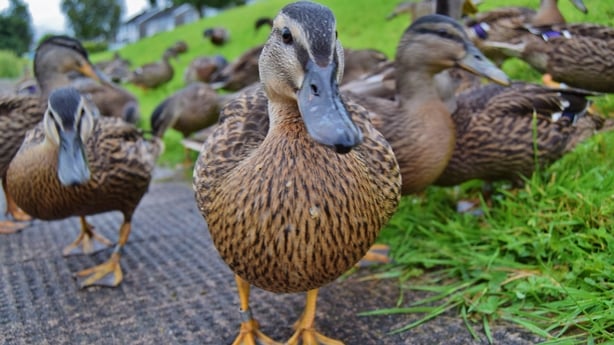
(120, 161)
(288, 214)
(495, 130)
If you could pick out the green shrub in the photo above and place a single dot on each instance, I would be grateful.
(95, 46)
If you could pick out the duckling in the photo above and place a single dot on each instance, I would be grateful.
(578, 55)
(155, 74)
(418, 124)
(53, 59)
(295, 183)
(501, 131)
(73, 164)
(503, 24)
(217, 35)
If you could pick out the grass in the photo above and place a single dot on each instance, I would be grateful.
(541, 256)
(11, 66)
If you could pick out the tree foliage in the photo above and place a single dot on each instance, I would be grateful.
(16, 28)
(201, 5)
(93, 19)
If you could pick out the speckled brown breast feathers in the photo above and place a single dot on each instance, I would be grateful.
(121, 162)
(288, 214)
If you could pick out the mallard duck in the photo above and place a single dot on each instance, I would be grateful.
(73, 164)
(109, 99)
(154, 74)
(418, 123)
(417, 9)
(503, 24)
(500, 131)
(179, 47)
(361, 62)
(217, 35)
(292, 206)
(263, 21)
(192, 108)
(204, 69)
(240, 73)
(117, 69)
(54, 58)
(579, 55)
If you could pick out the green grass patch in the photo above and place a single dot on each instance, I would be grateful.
(11, 66)
(541, 256)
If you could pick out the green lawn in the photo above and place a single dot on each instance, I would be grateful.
(539, 256)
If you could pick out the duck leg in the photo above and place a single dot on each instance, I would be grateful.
(87, 242)
(249, 333)
(304, 326)
(108, 273)
(188, 160)
(10, 227)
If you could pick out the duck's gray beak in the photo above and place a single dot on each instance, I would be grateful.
(475, 62)
(326, 118)
(72, 164)
(580, 5)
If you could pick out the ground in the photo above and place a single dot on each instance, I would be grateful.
(177, 290)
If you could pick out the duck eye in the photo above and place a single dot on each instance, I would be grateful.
(443, 33)
(286, 35)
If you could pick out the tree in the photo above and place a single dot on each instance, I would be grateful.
(16, 28)
(201, 5)
(93, 19)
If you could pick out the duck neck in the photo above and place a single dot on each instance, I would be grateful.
(283, 113)
(548, 14)
(424, 134)
(48, 81)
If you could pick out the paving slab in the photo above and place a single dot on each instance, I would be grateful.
(177, 290)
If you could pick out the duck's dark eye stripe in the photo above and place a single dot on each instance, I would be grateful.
(441, 33)
(286, 35)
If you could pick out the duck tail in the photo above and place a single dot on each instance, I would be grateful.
(161, 120)
(260, 22)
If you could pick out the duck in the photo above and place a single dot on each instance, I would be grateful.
(192, 108)
(578, 55)
(154, 74)
(108, 98)
(240, 73)
(204, 69)
(54, 58)
(417, 9)
(263, 21)
(505, 25)
(418, 123)
(179, 47)
(117, 69)
(75, 164)
(217, 35)
(361, 62)
(502, 132)
(295, 183)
